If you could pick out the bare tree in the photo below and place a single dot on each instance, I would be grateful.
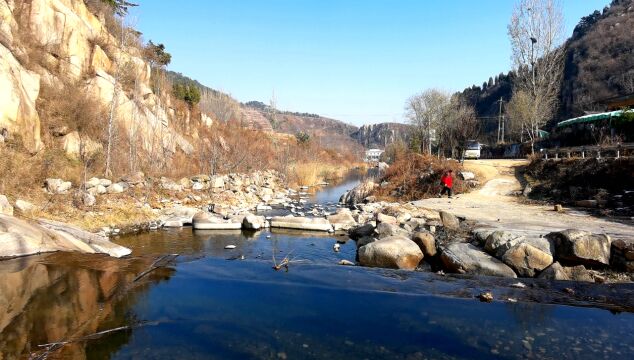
(536, 32)
(426, 111)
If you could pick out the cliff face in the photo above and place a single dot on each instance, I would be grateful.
(42, 41)
(381, 135)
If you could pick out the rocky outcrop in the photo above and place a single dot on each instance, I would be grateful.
(381, 135)
(394, 252)
(21, 238)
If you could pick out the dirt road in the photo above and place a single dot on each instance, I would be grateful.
(497, 205)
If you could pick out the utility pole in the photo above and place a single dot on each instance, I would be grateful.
(500, 123)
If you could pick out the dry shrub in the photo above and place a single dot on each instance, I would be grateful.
(416, 176)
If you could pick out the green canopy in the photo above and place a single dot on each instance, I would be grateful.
(591, 118)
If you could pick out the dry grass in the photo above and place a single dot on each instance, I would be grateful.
(415, 177)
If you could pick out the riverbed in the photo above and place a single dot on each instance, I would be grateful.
(213, 303)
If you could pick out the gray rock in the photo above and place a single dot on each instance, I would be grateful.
(481, 234)
(117, 188)
(526, 259)
(24, 206)
(88, 199)
(92, 183)
(342, 220)
(384, 230)
(105, 182)
(361, 231)
(365, 240)
(500, 241)
(57, 186)
(253, 222)
(554, 272)
(465, 258)
(5, 206)
(387, 219)
(358, 194)
(581, 247)
(207, 221)
(426, 242)
(301, 223)
(393, 252)
(449, 221)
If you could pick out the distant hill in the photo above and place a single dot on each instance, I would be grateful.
(381, 135)
(599, 64)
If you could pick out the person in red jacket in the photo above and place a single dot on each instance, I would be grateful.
(447, 183)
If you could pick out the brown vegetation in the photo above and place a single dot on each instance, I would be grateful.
(414, 176)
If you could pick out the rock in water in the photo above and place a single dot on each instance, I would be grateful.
(301, 223)
(394, 252)
(253, 222)
(449, 221)
(358, 194)
(581, 247)
(466, 258)
(342, 220)
(207, 221)
(526, 259)
(426, 242)
(230, 247)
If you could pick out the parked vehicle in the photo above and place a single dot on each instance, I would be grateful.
(472, 150)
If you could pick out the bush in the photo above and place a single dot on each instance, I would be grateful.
(416, 176)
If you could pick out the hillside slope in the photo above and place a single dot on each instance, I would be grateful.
(599, 64)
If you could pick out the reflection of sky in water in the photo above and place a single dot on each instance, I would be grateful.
(246, 310)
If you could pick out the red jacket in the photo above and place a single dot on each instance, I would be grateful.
(447, 180)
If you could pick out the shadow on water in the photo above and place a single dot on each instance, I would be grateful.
(215, 303)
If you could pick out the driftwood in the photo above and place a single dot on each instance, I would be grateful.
(54, 346)
(156, 265)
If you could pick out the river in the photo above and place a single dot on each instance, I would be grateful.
(213, 303)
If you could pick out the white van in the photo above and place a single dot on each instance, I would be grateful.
(472, 150)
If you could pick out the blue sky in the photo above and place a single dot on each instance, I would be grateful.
(353, 60)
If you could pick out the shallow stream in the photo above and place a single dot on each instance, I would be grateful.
(212, 303)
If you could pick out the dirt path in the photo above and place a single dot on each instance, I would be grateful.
(495, 204)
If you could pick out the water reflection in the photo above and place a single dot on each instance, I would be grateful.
(312, 247)
(57, 297)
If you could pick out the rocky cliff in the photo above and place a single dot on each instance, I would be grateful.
(47, 42)
(381, 135)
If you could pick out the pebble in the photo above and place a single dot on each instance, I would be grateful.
(346, 262)
(485, 297)
(518, 285)
(229, 247)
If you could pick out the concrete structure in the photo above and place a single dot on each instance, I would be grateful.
(372, 155)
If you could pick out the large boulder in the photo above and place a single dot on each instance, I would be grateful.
(366, 229)
(579, 247)
(394, 252)
(208, 221)
(526, 259)
(57, 186)
(253, 222)
(358, 194)
(449, 221)
(499, 242)
(342, 220)
(21, 238)
(622, 255)
(5, 206)
(426, 242)
(465, 258)
(301, 223)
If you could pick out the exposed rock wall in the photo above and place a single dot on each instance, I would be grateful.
(74, 43)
